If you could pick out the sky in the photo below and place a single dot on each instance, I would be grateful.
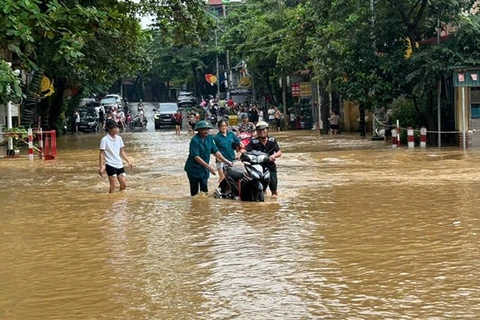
(146, 21)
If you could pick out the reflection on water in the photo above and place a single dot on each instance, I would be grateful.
(359, 231)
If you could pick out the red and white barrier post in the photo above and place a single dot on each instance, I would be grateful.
(40, 142)
(423, 137)
(53, 136)
(394, 138)
(30, 144)
(398, 133)
(46, 147)
(411, 139)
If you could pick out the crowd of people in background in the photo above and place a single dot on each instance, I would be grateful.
(214, 110)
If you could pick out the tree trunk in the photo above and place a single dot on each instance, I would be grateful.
(56, 107)
(284, 102)
(325, 110)
(363, 126)
(194, 82)
(266, 81)
(431, 119)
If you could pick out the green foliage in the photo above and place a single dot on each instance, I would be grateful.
(177, 64)
(10, 86)
(17, 134)
(89, 44)
(182, 21)
(271, 36)
(356, 49)
(404, 110)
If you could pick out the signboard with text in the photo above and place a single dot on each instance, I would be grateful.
(296, 89)
(466, 78)
(305, 89)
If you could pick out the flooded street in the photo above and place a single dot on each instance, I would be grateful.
(359, 231)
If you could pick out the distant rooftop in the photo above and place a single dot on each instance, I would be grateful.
(219, 2)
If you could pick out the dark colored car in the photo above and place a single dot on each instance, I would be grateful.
(165, 115)
(94, 105)
(88, 120)
(186, 99)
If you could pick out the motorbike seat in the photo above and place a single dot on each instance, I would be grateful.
(235, 173)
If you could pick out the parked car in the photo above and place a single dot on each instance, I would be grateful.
(186, 99)
(86, 101)
(112, 100)
(88, 120)
(165, 115)
(95, 105)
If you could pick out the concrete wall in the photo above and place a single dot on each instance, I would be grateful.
(15, 115)
(351, 114)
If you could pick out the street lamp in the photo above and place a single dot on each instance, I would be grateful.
(228, 75)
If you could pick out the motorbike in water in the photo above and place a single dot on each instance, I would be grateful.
(128, 119)
(213, 119)
(247, 183)
(245, 138)
(139, 122)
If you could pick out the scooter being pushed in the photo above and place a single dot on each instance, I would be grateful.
(245, 137)
(247, 183)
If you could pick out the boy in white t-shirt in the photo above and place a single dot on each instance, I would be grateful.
(110, 159)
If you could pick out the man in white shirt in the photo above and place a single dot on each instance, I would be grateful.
(110, 158)
(76, 118)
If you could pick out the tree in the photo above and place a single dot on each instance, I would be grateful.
(180, 64)
(10, 89)
(271, 36)
(81, 45)
(360, 49)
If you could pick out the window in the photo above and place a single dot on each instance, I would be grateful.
(475, 107)
(475, 102)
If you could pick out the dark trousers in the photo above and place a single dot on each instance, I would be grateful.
(195, 183)
(273, 181)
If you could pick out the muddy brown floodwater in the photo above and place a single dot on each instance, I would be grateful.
(359, 231)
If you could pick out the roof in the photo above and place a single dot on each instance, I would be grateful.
(221, 2)
(303, 72)
(433, 40)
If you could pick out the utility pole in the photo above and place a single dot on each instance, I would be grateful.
(9, 125)
(218, 67)
(439, 91)
(228, 74)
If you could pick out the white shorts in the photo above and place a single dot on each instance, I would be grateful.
(220, 165)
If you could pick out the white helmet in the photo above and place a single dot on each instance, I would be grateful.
(261, 125)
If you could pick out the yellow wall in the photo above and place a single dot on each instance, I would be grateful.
(459, 107)
(351, 113)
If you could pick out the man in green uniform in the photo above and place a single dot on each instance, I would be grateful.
(198, 166)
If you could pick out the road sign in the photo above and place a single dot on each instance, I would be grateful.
(295, 89)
